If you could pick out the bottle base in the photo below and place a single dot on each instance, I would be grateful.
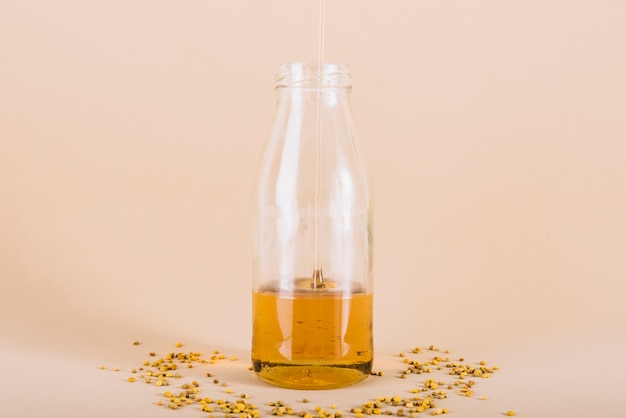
(311, 376)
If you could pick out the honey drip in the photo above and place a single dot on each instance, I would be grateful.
(317, 278)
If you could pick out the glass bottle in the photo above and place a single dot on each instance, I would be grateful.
(312, 284)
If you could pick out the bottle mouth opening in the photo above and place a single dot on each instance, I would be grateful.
(313, 75)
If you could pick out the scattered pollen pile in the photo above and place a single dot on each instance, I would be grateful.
(167, 370)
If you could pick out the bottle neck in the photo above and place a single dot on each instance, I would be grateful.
(314, 108)
(325, 97)
(311, 111)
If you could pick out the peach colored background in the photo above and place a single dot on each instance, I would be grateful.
(495, 132)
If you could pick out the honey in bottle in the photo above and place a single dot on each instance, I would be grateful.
(312, 276)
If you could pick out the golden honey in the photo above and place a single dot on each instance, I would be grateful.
(312, 338)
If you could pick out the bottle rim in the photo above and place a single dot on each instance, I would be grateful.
(313, 76)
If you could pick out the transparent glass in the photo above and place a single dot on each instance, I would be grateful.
(312, 286)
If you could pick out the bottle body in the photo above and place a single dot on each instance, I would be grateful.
(312, 285)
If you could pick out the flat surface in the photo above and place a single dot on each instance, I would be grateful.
(537, 378)
(130, 133)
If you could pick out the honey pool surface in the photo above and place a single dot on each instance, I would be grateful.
(312, 339)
